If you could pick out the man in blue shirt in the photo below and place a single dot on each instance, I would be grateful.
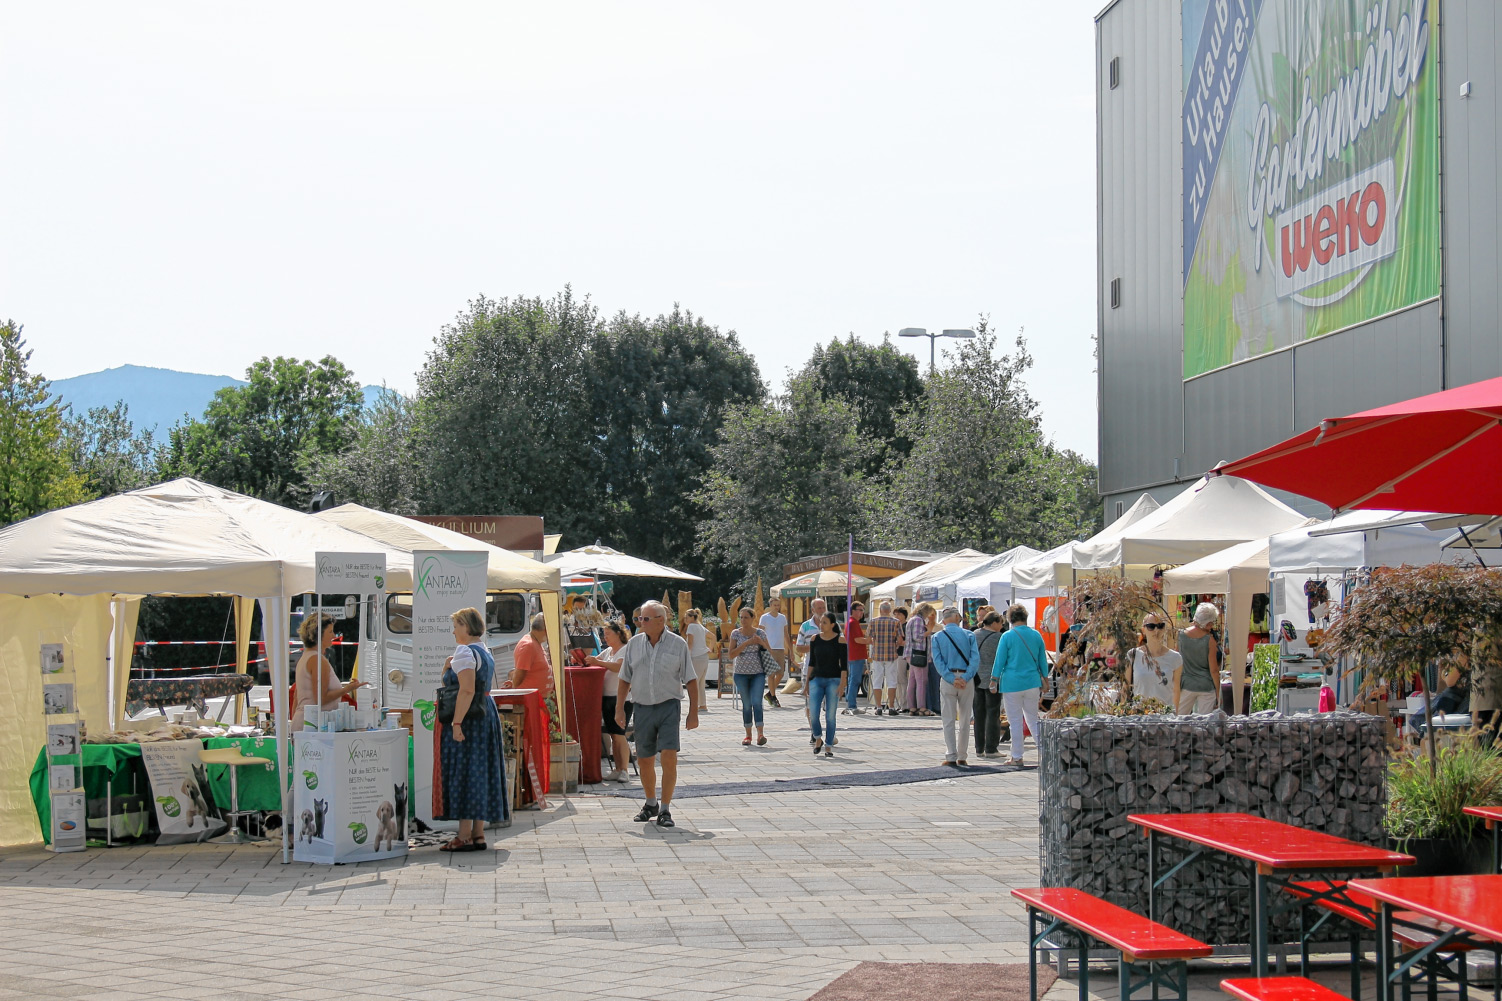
(957, 659)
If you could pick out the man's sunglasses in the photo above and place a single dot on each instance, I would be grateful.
(1155, 625)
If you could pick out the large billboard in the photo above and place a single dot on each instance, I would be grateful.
(1311, 170)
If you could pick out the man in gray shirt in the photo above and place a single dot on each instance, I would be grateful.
(655, 669)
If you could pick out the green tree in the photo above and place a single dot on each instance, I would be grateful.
(786, 482)
(659, 391)
(878, 381)
(980, 473)
(261, 438)
(503, 420)
(35, 474)
(379, 469)
(108, 453)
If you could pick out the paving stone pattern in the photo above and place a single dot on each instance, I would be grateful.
(759, 896)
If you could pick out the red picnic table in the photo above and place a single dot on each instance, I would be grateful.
(1471, 906)
(1273, 852)
(1493, 817)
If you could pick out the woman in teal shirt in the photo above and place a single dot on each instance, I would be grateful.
(1021, 665)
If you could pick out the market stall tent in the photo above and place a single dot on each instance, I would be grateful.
(76, 576)
(975, 582)
(820, 584)
(904, 585)
(602, 561)
(1216, 512)
(1364, 539)
(1045, 574)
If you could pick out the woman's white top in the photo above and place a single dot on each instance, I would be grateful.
(697, 647)
(464, 659)
(612, 678)
(1152, 676)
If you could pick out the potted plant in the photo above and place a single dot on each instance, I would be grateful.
(1406, 619)
(1426, 809)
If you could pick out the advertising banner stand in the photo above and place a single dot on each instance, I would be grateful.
(443, 581)
(349, 796)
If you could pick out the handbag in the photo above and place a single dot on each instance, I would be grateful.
(767, 661)
(448, 700)
(918, 658)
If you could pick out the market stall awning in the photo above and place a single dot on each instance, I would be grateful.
(976, 581)
(182, 537)
(1042, 574)
(821, 584)
(506, 571)
(904, 585)
(1433, 453)
(1214, 513)
(602, 561)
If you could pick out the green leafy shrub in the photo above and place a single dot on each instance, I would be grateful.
(1421, 805)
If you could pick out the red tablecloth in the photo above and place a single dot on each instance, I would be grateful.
(585, 687)
(533, 768)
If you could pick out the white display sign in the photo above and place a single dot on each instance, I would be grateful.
(68, 832)
(350, 573)
(349, 795)
(52, 658)
(443, 581)
(185, 810)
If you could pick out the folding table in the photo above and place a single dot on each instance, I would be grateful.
(1493, 817)
(1470, 905)
(1273, 853)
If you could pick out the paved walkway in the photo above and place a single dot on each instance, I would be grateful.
(767, 896)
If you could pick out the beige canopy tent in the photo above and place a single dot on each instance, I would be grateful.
(1238, 572)
(507, 571)
(76, 576)
(941, 568)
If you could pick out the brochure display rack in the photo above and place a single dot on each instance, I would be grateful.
(64, 774)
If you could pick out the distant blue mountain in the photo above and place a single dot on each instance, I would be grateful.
(157, 397)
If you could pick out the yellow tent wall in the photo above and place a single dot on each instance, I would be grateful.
(83, 625)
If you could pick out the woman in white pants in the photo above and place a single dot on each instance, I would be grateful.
(1021, 665)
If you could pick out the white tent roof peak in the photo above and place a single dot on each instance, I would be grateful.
(181, 537)
(506, 571)
(598, 560)
(1213, 513)
(1041, 574)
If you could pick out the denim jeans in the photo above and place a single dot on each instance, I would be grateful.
(857, 672)
(822, 695)
(750, 687)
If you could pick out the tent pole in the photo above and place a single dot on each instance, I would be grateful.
(279, 666)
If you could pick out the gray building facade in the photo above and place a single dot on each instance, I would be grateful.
(1161, 424)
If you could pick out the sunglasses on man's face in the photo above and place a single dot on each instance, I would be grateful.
(1154, 625)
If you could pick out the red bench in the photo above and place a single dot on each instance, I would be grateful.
(1411, 929)
(1279, 989)
(1143, 944)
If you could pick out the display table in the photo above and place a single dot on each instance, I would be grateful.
(533, 766)
(584, 687)
(117, 768)
(350, 795)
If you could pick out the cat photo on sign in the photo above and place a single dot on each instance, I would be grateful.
(52, 658)
(57, 699)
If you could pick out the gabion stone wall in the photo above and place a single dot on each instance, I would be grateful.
(1323, 772)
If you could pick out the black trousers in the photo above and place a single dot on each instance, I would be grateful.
(987, 719)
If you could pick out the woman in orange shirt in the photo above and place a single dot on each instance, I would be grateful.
(532, 669)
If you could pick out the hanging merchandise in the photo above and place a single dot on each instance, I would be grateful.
(1317, 593)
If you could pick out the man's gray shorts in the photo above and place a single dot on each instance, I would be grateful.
(656, 727)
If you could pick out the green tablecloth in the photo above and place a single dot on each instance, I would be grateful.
(120, 764)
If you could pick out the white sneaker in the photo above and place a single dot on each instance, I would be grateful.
(616, 776)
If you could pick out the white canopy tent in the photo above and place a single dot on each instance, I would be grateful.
(1044, 575)
(77, 574)
(903, 585)
(1356, 539)
(976, 582)
(602, 561)
(1216, 512)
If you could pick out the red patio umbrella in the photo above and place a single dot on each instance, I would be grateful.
(1441, 452)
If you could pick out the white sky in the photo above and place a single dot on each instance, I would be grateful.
(193, 186)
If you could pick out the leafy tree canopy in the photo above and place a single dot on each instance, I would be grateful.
(261, 438)
(878, 381)
(35, 472)
(109, 453)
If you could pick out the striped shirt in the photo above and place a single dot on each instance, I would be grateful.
(882, 634)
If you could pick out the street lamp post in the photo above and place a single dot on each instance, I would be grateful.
(961, 334)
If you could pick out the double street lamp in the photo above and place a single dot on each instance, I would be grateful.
(964, 334)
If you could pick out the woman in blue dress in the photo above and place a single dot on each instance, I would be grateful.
(472, 786)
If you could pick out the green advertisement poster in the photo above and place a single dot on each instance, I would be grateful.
(1311, 170)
